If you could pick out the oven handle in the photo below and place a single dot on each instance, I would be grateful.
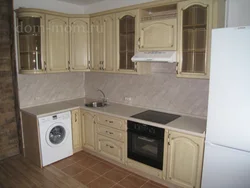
(143, 135)
(145, 139)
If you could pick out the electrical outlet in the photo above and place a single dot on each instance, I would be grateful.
(128, 99)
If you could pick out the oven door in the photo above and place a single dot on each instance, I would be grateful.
(145, 149)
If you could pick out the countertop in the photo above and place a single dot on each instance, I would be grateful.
(189, 125)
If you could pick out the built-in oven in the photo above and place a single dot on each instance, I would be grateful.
(146, 144)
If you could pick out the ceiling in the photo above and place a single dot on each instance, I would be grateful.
(81, 2)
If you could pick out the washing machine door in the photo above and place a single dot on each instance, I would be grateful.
(56, 135)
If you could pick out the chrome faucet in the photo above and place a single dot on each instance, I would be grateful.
(104, 99)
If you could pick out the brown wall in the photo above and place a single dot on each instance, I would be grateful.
(9, 144)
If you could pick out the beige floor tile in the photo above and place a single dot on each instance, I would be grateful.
(86, 177)
(101, 183)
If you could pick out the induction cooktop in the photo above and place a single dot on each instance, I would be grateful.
(156, 117)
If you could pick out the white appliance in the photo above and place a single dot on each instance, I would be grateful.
(155, 56)
(55, 137)
(227, 146)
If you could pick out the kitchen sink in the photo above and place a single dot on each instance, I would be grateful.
(96, 104)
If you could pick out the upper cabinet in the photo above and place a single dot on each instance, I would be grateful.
(127, 37)
(51, 42)
(31, 42)
(196, 18)
(109, 43)
(57, 40)
(158, 35)
(97, 43)
(158, 28)
(79, 44)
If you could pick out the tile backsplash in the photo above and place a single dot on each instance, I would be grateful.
(161, 90)
(48, 88)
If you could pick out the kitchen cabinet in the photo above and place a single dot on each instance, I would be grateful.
(76, 130)
(88, 130)
(97, 43)
(127, 38)
(31, 42)
(185, 155)
(196, 18)
(79, 44)
(110, 148)
(109, 44)
(158, 35)
(57, 40)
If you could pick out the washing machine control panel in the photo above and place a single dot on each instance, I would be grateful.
(56, 117)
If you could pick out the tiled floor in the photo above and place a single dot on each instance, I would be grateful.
(94, 172)
(79, 171)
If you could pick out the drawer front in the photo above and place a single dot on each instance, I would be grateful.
(111, 122)
(111, 133)
(110, 148)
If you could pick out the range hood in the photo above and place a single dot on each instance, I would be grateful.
(155, 56)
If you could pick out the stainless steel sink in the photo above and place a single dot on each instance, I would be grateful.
(96, 104)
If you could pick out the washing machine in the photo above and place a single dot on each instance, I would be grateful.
(55, 137)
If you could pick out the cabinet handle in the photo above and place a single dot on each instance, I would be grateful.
(75, 117)
(109, 121)
(139, 42)
(68, 65)
(89, 67)
(45, 65)
(109, 132)
(176, 68)
(135, 67)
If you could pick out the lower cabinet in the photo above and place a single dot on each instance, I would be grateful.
(76, 130)
(110, 148)
(88, 130)
(185, 154)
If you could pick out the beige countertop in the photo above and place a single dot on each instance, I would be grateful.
(189, 125)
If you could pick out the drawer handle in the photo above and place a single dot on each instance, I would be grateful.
(109, 132)
(110, 146)
(109, 121)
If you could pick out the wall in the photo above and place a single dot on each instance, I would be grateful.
(52, 5)
(9, 144)
(238, 13)
(161, 90)
(48, 88)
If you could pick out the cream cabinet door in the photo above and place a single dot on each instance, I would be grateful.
(76, 130)
(110, 148)
(109, 42)
(185, 155)
(57, 38)
(195, 22)
(158, 35)
(88, 130)
(96, 43)
(127, 25)
(79, 44)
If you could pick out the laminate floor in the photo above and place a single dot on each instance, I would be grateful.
(82, 170)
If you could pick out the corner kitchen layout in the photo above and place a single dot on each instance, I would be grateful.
(124, 93)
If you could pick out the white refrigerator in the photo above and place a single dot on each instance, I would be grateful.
(227, 146)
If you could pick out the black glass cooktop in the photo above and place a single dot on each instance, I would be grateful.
(156, 117)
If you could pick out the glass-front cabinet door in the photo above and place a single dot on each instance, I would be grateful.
(195, 24)
(127, 23)
(30, 33)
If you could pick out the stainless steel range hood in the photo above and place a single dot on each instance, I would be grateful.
(155, 56)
